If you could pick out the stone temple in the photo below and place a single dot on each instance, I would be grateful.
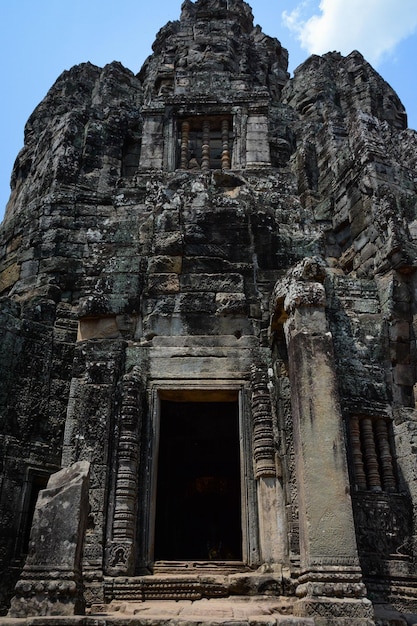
(208, 359)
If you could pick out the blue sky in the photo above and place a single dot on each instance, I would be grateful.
(39, 39)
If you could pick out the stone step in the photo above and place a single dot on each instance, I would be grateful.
(200, 583)
(156, 619)
(253, 611)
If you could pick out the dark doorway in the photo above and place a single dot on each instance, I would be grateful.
(37, 483)
(198, 505)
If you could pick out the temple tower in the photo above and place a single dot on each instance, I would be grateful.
(208, 296)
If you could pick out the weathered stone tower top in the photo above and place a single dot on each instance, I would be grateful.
(216, 39)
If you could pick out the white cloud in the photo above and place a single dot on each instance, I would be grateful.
(374, 27)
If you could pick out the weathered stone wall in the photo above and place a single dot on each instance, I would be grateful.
(122, 273)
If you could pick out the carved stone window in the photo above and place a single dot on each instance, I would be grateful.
(205, 143)
(371, 453)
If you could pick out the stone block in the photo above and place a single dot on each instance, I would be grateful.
(399, 330)
(163, 284)
(359, 223)
(51, 581)
(165, 265)
(9, 276)
(231, 303)
(168, 244)
(404, 375)
(368, 251)
(98, 328)
(400, 353)
(228, 282)
(14, 244)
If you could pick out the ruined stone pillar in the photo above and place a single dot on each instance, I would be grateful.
(185, 139)
(205, 149)
(225, 145)
(94, 396)
(51, 581)
(330, 586)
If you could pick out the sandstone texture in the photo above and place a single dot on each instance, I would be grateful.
(55, 548)
(211, 237)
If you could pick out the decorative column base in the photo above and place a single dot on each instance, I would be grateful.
(41, 593)
(120, 558)
(334, 595)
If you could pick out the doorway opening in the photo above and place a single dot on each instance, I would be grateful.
(198, 502)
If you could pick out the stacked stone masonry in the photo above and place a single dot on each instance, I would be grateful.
(213, 250)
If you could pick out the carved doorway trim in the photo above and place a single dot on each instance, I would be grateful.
(204, 391)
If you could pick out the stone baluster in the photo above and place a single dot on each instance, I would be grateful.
(185, 140)
(371, 459)
(225, 145)
(205, 149)
(383, 444)
(358, 467)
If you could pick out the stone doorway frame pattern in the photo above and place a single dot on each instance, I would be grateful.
(206, 391)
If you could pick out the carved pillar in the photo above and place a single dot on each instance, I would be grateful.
(263, 438)
(225, 145)
(185, 139)
(205, 149)
(371, 459)
(120, 554)
(383, 444)
(330, 585)
(358, 468)
(271, 506)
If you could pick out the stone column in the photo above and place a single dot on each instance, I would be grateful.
(371, 459)
(225, 145)
(120, 550)
(272, 526)
(185, 138)
(387, 466)
(330, 586)
(205, 149)
(357, 457)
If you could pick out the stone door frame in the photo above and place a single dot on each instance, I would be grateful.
(213, 390)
